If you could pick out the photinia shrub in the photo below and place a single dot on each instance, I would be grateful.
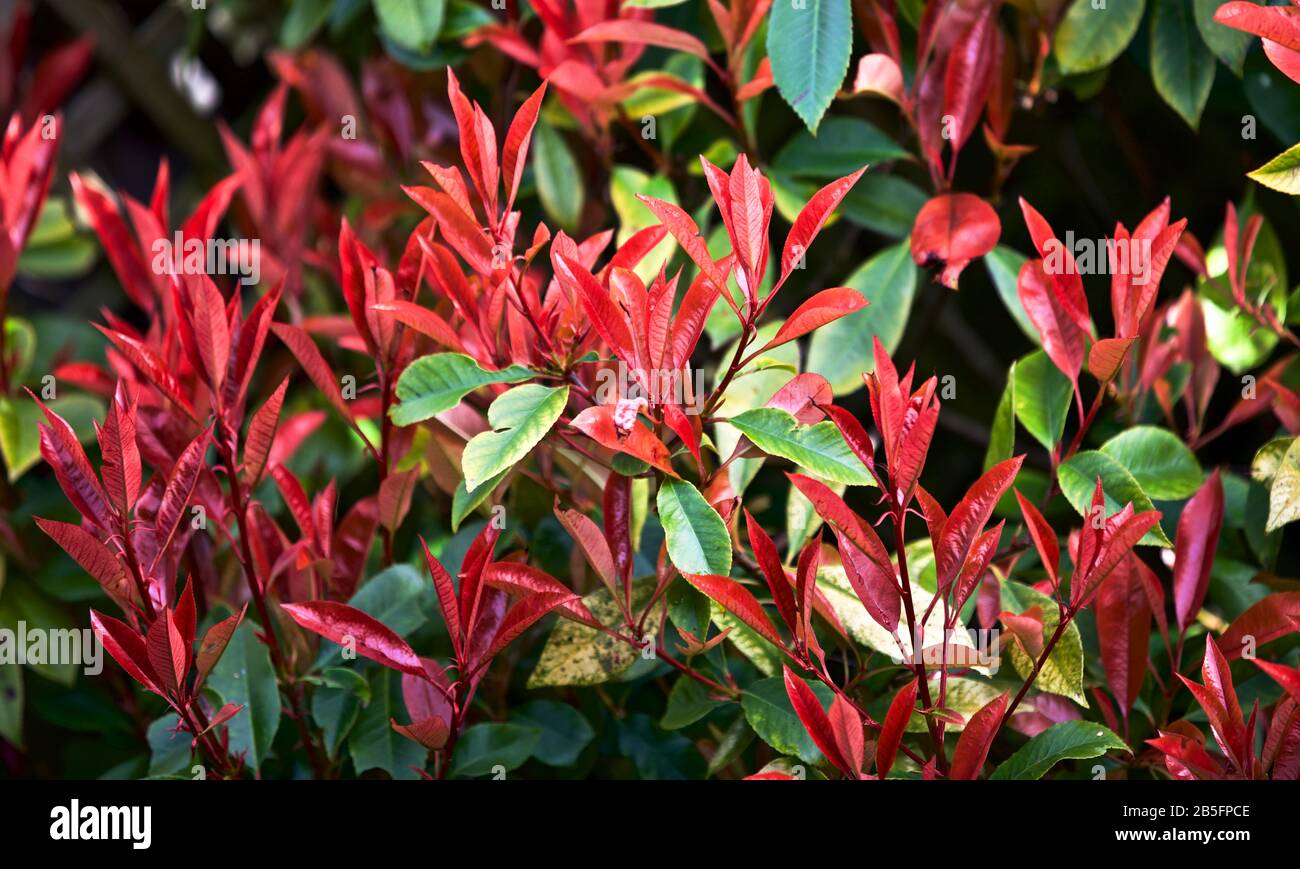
(543, 417)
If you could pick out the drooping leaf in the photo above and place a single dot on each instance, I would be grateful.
(1182, 67)
(1090, 38)
(1068, 740)
(809, 45)
(950, 231)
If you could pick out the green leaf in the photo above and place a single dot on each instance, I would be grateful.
(842, 146)
(733, 741)
(575, 654)
(1042, 398)
(1228, 44)
(769, 711)
(841, 351)
(1090, 39)
(762, 654)
(301, 22)
(818, 448)
(658, 754)
(20, 440)
(1002, 434)
(244, 676)
(688, 702)
(697, 538)
(559, 181)
(411, 24)
(1063, 671)
(169, 749)
(1268, 459)
(1004, 266)
(1182, 67)
(808, 44)
(1068, 740)
(493, 749)
(335, 712)
(438, 382)
(756, 383)
(1078, 478)
(886, 204)
(465, 502)
(565, 732)
(1284, 493)
(1282, 172)
(625, 182)
(11, 705)
(520, 418)
(1157, 458)
(801, 518)
(373, 743)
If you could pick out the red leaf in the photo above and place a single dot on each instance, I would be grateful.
(969, 517)
(973, 745)
(846, 724)
(854, 435)
(1199, 527)
(517, 139)
(352, 628)
(769, 561)
(167, 653)
(211, 329)
(430, 732)
(152, 367)
(395, 497)
(121, 454)
(644, 32)
(214, 645)
(976, 565)
(520, 618)
(618, 523)
(1058, 262)
(127, 648)
(968, 76)
(599, 423)
(825, 307)
(891, 733)
(687, 234)
(93, 556)
(1277, 615)
(261, 435)
(522, 580)
(872, 577)
(309, 357)
(1049, 551)
(1287, 60)
(737, 600)
(63, 453)
(446, 591)
(1123, 614)
(181, 482)
(815, 721)
(422, 320)
(1280, 24)
(1106, 356)
(951, 230)
(295, 498)
(591, 540)
(1287, 677)
(1062, 339)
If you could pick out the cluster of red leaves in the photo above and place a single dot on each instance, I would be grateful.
(586, 51)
